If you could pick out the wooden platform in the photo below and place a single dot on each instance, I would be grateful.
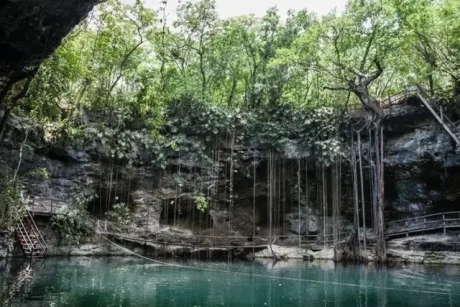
(45, 206)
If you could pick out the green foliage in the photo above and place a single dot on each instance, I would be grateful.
(39, 173)
(119, 214)
(120, 144)
(12, 208)
(195, 127)
(201, 202)
(74, 221)
(128, 83)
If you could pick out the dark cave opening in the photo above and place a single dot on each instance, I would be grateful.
(184, 213)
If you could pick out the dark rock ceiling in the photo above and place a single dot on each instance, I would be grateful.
(30, 30)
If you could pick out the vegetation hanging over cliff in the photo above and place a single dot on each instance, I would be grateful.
(136, 88)
(124, 65)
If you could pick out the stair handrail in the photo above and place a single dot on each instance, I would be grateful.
(421, 91)
(36, 231)
(427, 220)
(423, 216)
(26, 235)
(22, 232)
(436, 116)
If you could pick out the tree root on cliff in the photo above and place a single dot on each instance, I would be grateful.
(275, 256)
(351, 251)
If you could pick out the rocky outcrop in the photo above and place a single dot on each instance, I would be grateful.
(303, 222)
(147, 210)
(4, 245)
(30, 30)
(427, 249)
(45, 175)
(422, 166)
(421, 177)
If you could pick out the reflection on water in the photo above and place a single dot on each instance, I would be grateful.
(133, 282)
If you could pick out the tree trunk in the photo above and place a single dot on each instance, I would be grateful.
(4, 92)
(379, 223)
(14, 101)
(5, 117)
(20, 155)
(232, 91)
(363, 203)
(456, 89)
(355, 196)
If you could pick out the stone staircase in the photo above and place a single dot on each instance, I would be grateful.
(32, 242)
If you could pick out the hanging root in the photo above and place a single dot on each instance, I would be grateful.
(351, 251)
(275, 256)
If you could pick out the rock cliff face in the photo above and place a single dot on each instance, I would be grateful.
(422, 175)
(30, 30)
(422, 164)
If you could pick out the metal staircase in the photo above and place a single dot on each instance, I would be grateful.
(30, 238)
(437, 112)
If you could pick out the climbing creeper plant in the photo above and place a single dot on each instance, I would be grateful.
(12, 207)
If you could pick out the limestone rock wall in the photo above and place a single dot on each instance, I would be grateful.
(422, 176)
(422, 164)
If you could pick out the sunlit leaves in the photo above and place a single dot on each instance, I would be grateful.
(138, 84)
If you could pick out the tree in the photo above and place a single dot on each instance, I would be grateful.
(197, 23)
(14, 98)
(364, 35)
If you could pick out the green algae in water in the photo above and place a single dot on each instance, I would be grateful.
(133, 282)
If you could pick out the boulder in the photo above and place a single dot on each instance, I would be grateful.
(174, 234)
(300, 223)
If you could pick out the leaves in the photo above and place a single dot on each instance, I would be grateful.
(130, 84)
(120, 214)
(12, 207)
(201, 202)
(74, 222)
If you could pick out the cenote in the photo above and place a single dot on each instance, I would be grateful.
(138, 282)
(326, 131)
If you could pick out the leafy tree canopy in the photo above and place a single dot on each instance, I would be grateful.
(132, 80)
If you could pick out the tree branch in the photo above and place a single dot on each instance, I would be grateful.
(5, 90)
(339, 88)
(369, 78)
(351, 69)
(368, 48)
(20, 154)
(23, 93)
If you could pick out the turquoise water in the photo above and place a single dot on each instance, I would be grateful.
(133, 282)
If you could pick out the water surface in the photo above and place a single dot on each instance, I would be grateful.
(134, 282)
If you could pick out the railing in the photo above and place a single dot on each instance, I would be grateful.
(134, 234)
(37, 233)
(424, 223)
(28, 241)
(432, 222)
(47, 206)
(445, 122)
